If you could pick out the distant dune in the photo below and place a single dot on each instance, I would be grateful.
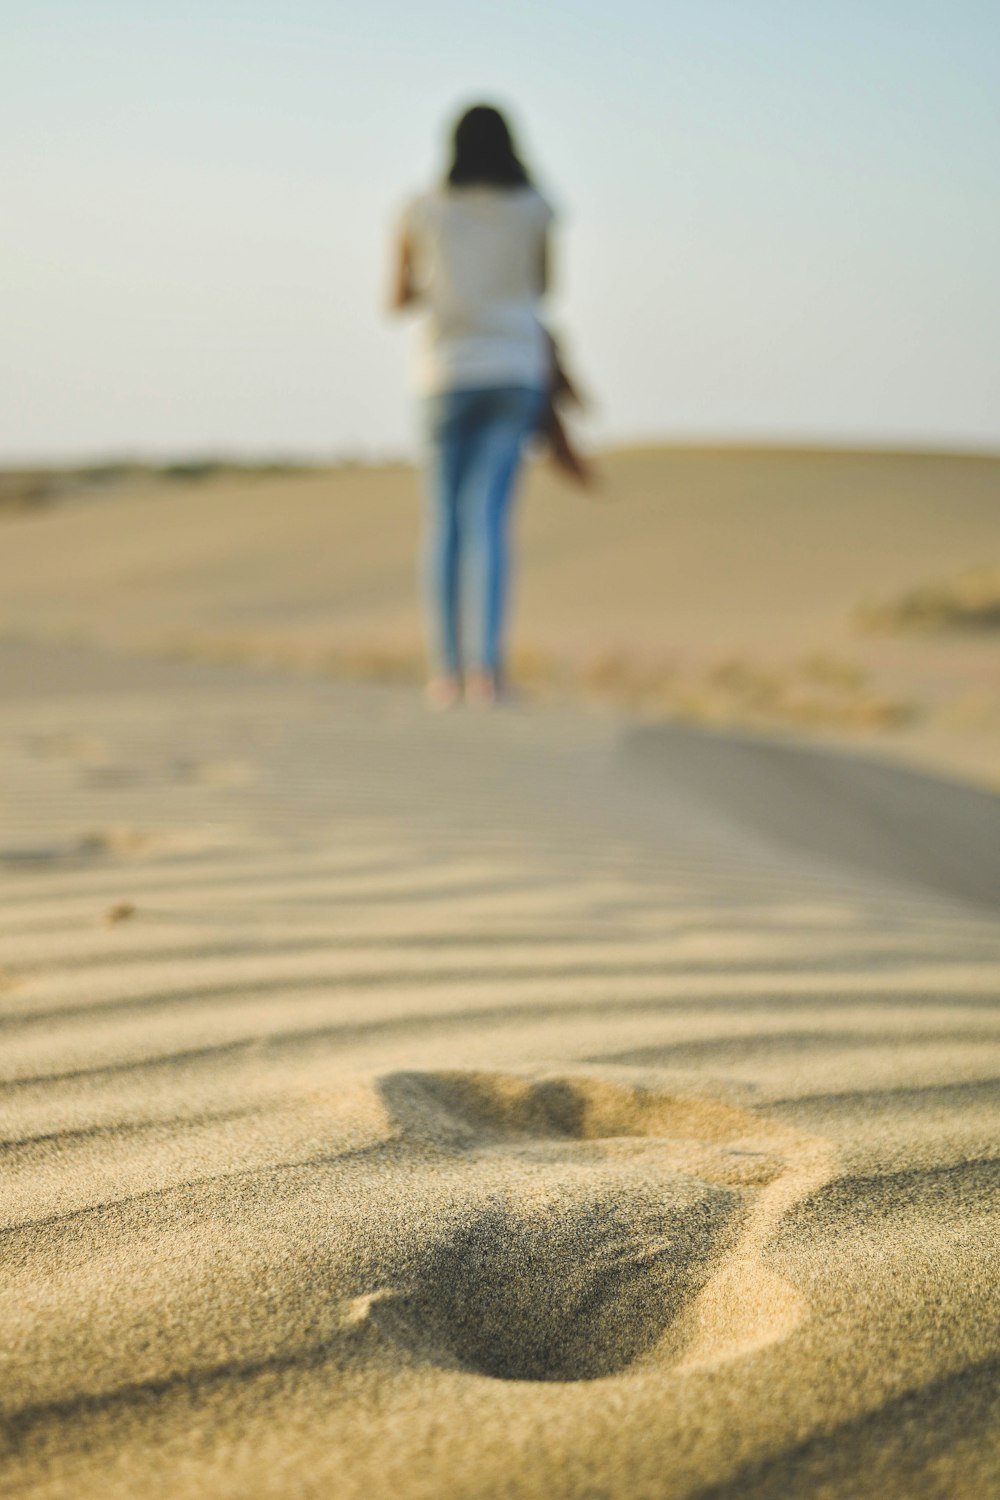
(727, 585)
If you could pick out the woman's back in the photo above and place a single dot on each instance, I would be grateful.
(478, 254)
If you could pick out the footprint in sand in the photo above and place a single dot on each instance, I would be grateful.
(619, 1224)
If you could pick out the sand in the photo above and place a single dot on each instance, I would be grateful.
(722, 586)
(535, 1104)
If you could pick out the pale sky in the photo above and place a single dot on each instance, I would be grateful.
(779, 219)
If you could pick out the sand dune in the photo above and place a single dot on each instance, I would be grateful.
(553, 1104)
(721, 586)
(485, 1106)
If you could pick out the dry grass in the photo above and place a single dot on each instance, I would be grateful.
(719, 586)
(814, 691)
(970, 602)
(25, 488)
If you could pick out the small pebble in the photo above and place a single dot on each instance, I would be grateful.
(120, 912)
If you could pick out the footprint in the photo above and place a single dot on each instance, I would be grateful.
(602, 1222)
(482, 1110)
(575, 1289)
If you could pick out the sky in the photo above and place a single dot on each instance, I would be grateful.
(777, 219)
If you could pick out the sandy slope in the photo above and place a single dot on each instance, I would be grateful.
(485, 1106)
(721, 586)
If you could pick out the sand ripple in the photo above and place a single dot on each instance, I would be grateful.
(459, 1112)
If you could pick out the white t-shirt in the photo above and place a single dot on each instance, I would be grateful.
(477, 255)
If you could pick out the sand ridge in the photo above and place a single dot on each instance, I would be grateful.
(462, 1111)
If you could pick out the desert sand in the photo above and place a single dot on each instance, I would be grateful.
(721, 586)
(547, 1103)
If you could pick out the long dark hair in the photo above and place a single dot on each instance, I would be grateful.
(484, 151)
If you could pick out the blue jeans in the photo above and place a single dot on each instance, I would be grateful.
(476, 436)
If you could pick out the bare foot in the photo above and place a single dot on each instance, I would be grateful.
(443, 692)
(485, 688)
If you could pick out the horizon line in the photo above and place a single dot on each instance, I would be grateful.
(371, 456)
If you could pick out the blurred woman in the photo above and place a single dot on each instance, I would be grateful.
(473, 252)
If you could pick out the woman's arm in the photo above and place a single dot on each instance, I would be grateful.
(404, 290)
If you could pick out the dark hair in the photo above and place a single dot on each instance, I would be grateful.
(484, 151)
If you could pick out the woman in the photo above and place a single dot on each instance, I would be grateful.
(474, 254)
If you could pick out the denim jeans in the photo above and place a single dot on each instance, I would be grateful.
(476, 438)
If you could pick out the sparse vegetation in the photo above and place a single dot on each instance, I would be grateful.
(970, 602)
(24, 489)
(27, 488)
(818, 692)
(198, 470)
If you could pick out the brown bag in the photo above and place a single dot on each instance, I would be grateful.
(563, 392)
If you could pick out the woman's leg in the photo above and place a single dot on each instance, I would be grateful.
(507, 417)
(448, 463)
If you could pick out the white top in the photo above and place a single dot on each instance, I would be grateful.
(477, 255)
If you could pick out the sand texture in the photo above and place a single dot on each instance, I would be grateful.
(597, 1100)
(815, 592)
(453, 1106)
